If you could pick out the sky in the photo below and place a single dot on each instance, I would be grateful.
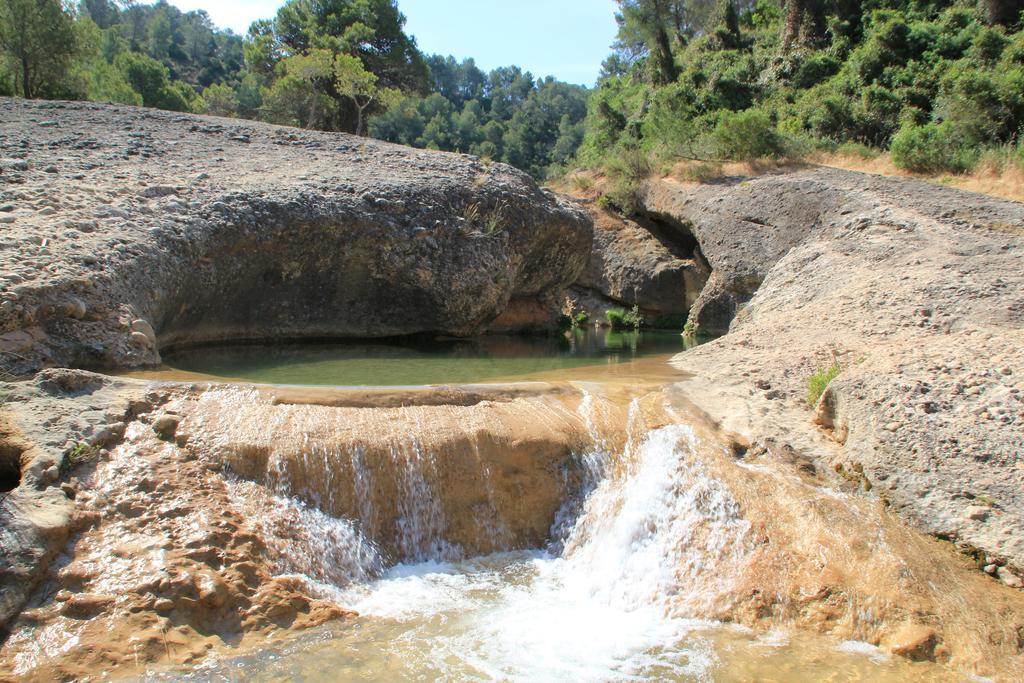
(567, 39)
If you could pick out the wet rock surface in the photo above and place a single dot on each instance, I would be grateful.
(916, 292)
(158, 228)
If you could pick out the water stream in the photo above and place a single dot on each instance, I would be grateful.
(646, 539)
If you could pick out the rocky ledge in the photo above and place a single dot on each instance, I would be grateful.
(126, 230)
(914, 294)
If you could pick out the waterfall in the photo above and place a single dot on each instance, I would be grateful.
(662, 532)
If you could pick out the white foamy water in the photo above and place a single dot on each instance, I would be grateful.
(656, 539)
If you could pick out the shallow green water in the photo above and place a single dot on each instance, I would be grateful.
(405, 362)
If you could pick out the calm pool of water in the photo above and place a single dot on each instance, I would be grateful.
(416, 362)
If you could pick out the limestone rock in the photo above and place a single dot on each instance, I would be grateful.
(640, 262)
(914, 641)
(294, 234)
(915, 291)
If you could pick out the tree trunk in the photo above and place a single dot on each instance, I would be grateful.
(1005, 12)
(26, 80)
(794, 19)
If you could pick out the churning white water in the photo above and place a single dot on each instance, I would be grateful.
(654, 539)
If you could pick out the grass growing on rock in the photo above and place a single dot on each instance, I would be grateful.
(819, 381)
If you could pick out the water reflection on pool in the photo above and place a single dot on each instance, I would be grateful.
(402, 362)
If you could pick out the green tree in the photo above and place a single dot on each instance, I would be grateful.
(37, 41)
(219, 100)
(151, 80)
(360, 86)
(370, 31)
(103, 12)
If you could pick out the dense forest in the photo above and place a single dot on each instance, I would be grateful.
(938, 83)
(337, 65)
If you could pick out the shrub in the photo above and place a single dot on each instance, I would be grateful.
(819, 381)
(988, 45)
(581, 182)
(746, 135)
(621, 319)
(628, 169)
(931, 148)
(701, 171)
(856, 149)
(815, 69)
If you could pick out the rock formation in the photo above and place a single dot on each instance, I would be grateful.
(638, 262)
(916, 292)
(126, 230)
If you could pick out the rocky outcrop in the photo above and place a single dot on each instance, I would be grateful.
(632, 262)
(743, 227)
(127, 230)
(916, 293)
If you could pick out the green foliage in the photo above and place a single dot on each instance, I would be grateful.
(746, 135)
(219, 99)
(505, 115)
(77, 455)
(37, 43)
(931, 148)
(627, 169)
(621, 319)
(819, 381)
(151, 80)
(775, 82)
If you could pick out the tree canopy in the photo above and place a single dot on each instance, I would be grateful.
(337, 65)
(938, 81)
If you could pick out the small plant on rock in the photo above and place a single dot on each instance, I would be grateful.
(79, 454)
(819, 381)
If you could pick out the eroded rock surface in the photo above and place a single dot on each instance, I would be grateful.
(639, 264)
(917, 293)
(128, 229)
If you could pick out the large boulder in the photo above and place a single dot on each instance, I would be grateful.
(127, 230)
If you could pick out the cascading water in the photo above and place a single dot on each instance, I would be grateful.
(419, 518)
(647, 540)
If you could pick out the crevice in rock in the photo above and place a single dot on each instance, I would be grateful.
(10, 464)
(675, 235)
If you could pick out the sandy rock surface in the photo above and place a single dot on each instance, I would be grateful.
(128, 229)
(916, 291)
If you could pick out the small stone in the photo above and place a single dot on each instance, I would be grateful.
(86, 605)
(977, 512)
(50, 474)
(155, 191)
(212, 590)
(141, 325)
(163, 605)
(69, 490)
(1009, 578)
(139, 339)
(991, 568)
(165, 426)
(915, 642)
